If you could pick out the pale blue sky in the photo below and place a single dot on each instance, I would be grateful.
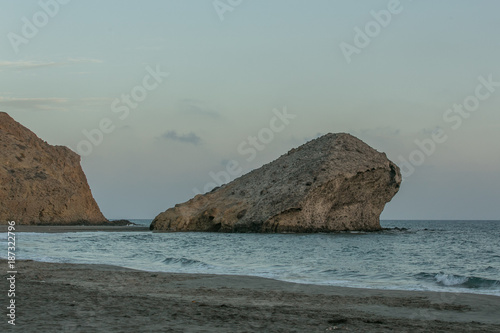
(226, 78)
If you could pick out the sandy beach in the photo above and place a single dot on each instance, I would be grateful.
(98, 298)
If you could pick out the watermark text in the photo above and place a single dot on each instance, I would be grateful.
(31, 27)
(11, 273)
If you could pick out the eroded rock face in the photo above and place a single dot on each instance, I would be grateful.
(333, 183)
(40, 183)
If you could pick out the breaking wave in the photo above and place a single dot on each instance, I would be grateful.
(451, 280)
(184, 262)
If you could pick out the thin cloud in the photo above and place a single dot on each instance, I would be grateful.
(197, 108)
(191, 137)
(31, 64)
(51, 103)
(20, 65)
(83, 61)
(54, 103)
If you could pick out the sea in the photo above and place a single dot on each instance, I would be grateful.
(449, 256)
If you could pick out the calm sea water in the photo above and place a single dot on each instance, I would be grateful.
(455, 256)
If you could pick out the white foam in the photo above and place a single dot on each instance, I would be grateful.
(450, 279)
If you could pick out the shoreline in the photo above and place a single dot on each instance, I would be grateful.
(75, 228)
(306, 283)
(109, 298)
(57, 228)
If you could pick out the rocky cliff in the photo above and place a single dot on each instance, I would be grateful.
(40, 183)
(333, 183)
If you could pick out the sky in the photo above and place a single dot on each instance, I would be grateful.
(164, 99)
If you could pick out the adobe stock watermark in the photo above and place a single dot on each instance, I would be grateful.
(11, 272)
(121, 106)
(427, 315)
(249, 149)
(31, 27)
(223, 6)
(372, 29)
(453, 116)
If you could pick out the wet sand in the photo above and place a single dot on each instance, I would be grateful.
(99, 298)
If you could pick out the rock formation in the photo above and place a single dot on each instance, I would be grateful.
(333, 183)
(40, 183)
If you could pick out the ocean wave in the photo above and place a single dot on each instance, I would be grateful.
(184, 262)
(452, 280)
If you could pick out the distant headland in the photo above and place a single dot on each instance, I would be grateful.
(42, 184)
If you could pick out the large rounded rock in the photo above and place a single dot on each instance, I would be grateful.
(40, 183)
(333, 183)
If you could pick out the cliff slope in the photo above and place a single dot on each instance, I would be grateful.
(40, 183)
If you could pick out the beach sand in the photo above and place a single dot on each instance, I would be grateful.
(98, 298)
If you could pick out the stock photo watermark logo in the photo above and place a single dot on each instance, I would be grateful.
(249, 149)
(31, 27)
(372, 29)
(428, 314)
(121, 106)
(223, 6)
(453, 116)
